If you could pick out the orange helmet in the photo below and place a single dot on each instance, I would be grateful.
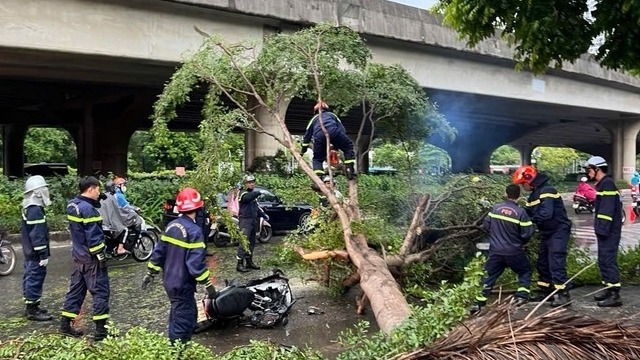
(117, 181)
(524, 175)
(188, 199)
(319, 105)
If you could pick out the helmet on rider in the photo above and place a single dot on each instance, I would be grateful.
(524, 175)
(33, 183)
(583, 179)
(319, 105)
(118, 181)
(188, 199)
(110, 187)
(249, 178)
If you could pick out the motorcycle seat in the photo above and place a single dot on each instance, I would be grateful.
(232, 301)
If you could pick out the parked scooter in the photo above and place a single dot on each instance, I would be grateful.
(580, 204)
(7, 255)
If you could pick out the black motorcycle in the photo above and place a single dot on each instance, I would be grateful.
(139, 243)
(261, 303)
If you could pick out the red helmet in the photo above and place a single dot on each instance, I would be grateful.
(524, 175)
(319, 105)
(188, 199)
(117, 181)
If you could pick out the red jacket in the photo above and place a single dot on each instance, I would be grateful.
(587, 191)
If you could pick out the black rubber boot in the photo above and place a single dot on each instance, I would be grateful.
(240, 267)
(65, 327)
(562, 299)
(542, 293)
(101, 331)
(35, 315)
(603, 294)
(613, 300)
(251, 265)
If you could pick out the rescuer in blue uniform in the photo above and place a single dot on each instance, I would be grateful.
(608, 229)
(89, 259)
(35, 245)
(248, 217)
(337, 136)
(181, 256)
(546, 209)
(509, 230)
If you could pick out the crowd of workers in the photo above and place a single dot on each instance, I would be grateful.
(510, 228)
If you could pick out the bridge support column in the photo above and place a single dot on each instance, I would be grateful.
(625, 135)
(13, 149)
(462, 161)
(259, 144)
(525, 154)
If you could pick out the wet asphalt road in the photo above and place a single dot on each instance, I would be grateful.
(131, 306)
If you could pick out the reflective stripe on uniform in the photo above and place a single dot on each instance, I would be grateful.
(610, 285)
(550, 195)
(33, 222)
(38, 248)
(608, 193)
(204, 276)
(511, 220)
(100, 317)
(153, 267)
(182, 244)
(604, 217)
(69, 314)
(82, 220)
(559, 286)
(533, 203)
(481, 298)
(523, 289)
(543, 284)
(96, 248)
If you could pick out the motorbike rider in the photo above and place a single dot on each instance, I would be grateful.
(546, 209)
(115, 218)
(608, 229)
(89, 260)
(634, 183)
(586, 190)
(35, 245)
(337, 136)
(181, 256)
(248, 214)
(121, 187)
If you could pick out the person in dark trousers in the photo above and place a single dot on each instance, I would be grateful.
(546, 209)
(337, 136)
(35, 246)
(608, 229)
(509, 230)
(89, 260)
(181, 256)
(248, 222)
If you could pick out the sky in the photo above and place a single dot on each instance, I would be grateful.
(423, 4)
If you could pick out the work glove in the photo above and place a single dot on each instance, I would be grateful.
(102, 259)
(44, 262)
(146, 280)
(304, 149)
(211, 291)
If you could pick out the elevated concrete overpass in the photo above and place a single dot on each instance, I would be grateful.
(94, 67)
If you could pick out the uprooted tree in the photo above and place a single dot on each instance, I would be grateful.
(322, 63)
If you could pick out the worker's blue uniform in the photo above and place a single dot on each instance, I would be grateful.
(546, 209)
(35, 247)
(248, 214)
(608, 229)
(87, 239)
(337, 136)
(181, 256)
(509, 230)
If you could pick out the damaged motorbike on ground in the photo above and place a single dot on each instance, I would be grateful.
(261, 303)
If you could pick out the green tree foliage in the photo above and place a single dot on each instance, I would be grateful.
(505, 155)
(410, 156)
(556, 162)
(49, 145)
(546, 33)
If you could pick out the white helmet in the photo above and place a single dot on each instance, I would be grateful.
(584, 179)
(33, 183)
(595, 162)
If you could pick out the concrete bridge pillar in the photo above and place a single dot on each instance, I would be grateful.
(13, 149)
(525, 154)
(624, 136)
(259, 144)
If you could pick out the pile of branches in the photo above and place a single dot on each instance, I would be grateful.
(555, 334)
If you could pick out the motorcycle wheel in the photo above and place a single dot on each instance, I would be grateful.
(624, 217)
(7, 259)
(220, 241)
(143, 247)
(266, 233)
(577, 211)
